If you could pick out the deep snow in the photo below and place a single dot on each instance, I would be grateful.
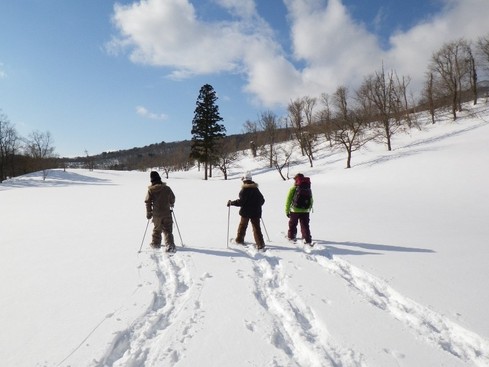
(398, 276)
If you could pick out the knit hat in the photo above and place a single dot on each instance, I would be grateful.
(298, 178)
(247, 176)
(155, 177)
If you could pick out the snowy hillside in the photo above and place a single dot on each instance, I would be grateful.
(398, 276)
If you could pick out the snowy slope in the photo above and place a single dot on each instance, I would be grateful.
(397, 278)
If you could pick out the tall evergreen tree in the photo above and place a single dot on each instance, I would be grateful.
(206, 130)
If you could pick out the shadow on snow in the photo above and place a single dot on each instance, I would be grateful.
(328, 249)
(345, 248)
(55, 178)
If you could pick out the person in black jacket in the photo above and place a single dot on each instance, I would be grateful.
(250, 201)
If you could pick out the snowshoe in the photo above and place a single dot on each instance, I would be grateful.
(234, 242)
(312, 243)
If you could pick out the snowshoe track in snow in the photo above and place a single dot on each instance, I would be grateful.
(431, 326)
(176, 290)
(291, 325)
(296, 330)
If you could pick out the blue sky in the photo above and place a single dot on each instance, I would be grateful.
(104, 75)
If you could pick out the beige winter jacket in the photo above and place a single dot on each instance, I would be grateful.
(159, 200)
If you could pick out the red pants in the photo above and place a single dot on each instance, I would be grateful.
(303, 219)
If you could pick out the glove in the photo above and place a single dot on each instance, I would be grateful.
(149, 215)
(229, 203)
(288, 215)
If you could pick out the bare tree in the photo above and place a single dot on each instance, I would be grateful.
(309, 138)
(348, 125)
(453, 69)
(483, 50)
(167, 164)
(226, 156)
(309, 105)
(386, 94)
(324, 118)
(301, 117)
(281, 158)
(9, 143)
(269, 123)
(296, 117)
(473, 73)
(251, 128)
(428, 93)
(39, 147)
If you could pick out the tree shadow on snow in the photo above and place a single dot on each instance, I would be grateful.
(417, 147)
(346, 248)
(55, 178)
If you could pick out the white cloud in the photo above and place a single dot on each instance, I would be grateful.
(329, 47)
(168, 33)
(411, 51)
(144, 112)
(336, 50)
(272, 79)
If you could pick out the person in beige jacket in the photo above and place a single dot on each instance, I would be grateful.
(160, 200)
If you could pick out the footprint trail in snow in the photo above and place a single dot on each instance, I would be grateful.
(431, 326)
(140, 343)
(296, 329)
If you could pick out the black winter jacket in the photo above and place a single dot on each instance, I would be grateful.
(250, 200)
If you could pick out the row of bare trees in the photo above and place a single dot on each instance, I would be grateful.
(378, 110)
(19, 155)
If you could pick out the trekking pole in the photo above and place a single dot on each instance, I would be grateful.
(227, 235)
(265, 228)
(144, 235)
(178, 229)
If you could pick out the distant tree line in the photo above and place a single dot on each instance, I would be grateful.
(20, 155)
(347, 119)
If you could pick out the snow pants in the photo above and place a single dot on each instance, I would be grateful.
(303, 219)
(257, 234)
(163, 225)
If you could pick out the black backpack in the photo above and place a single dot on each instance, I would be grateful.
(303, 194)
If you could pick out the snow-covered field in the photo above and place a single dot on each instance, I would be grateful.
(399, 275)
